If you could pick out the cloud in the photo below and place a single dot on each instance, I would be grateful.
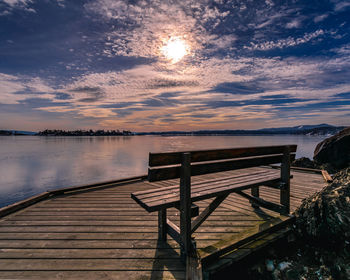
(170, 83)
(16, 88)
(88, 94)
(320, 18)
(341, 6)
(295, 23)
(144, 27)
(285, 43)
(10, 5)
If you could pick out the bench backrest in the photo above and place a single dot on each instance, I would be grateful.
(164, 166)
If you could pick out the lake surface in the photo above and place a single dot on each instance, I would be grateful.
(30, 165)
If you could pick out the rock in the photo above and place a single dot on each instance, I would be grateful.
(334, 150)
(324, 217)
(304, 162)
(283, 265)
(276, 274)
(292, 274)
(269, 265)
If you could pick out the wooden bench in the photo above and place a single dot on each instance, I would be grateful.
(183, 165)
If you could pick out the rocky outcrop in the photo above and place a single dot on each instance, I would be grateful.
(334, 151)
(305, 163)
(325, 216)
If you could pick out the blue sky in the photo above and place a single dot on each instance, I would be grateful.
(101, 64)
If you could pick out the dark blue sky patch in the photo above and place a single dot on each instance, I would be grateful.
(117, 105)
(62, 96)
(153, 102)
(202, 116)
(261, 101)
(237, 88)
(329, 104)
(168, 120)
(41, 102)
(343, 95)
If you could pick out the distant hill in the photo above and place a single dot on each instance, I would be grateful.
(16, 132)
(319, 129)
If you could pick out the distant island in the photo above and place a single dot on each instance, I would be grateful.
(320, 129)
(55, 132)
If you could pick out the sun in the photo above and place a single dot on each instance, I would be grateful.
(175, 49)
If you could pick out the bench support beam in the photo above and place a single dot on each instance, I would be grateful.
(263, 203)
(255, 192)
(173, 231)
(207, 211)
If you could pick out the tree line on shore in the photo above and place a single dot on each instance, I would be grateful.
(56, 132)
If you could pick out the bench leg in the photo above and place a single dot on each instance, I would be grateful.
(162, 225)
(185, 207)
(285, 177)
(255, 193)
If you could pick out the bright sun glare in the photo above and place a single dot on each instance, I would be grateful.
(175, 49)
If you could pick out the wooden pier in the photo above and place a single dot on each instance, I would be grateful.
(99, 232)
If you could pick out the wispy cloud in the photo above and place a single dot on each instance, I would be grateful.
(288, 42)
(8, 6)
(320, 18)
(341, 6)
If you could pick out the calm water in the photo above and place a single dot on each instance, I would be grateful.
(30, 165)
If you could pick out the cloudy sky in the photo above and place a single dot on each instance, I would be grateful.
(173, 65)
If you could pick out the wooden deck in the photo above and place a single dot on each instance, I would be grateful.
(104, 234)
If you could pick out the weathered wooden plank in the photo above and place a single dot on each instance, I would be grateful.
(198, 187)
(205, 194)
(4, 211)
(116, 236)
(157, 159)
(85, 244)
(156, 273)
(86, 253)
(99, 184)
(156, 174)
(75, 229)
(226, 177)
(202, 241)
(101, 229)
(231, 218)
(326, 176)
(124, 213)
(90, 264)
(161, 194)
(113, 223)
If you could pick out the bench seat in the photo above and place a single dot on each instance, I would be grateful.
(166, 197)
